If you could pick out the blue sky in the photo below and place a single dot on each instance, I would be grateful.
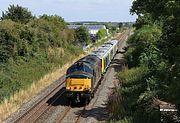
(78, 10)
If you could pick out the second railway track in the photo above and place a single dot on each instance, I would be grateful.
(34, 112)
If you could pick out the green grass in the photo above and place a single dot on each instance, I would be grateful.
(21, 73)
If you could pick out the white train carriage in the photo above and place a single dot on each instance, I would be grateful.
(106, 53)
(115, 46)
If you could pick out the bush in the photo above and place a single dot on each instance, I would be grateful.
(142, 43)
(102, 33)
(136, 95)
(82, 35)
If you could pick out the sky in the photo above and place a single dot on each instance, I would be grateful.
(78, 10)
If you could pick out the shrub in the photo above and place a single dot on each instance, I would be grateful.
(82, 35)
(102, 33)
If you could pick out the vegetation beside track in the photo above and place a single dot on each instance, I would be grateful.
(154, 67)
(30, 49)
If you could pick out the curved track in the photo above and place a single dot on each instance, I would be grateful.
(82, 110)
(39, 109)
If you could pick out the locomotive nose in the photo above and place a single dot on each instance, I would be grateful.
(73, 84)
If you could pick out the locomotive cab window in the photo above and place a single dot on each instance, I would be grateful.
(79, 67)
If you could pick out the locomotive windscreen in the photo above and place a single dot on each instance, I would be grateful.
(79, 67)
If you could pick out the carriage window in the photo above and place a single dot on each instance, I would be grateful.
(106, 61)
(112, 53)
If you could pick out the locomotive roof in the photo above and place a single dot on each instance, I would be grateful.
(82, 62)
(92, 60)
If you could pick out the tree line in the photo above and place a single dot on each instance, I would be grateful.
(23, 34)
(153, 57)
(31, 46)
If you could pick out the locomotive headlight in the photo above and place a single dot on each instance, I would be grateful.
(68, 88)
(86, 87)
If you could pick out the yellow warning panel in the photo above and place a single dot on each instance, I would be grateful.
(102, 65)
(74, 84)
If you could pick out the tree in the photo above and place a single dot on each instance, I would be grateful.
(55, 20)
(154, 45)
(17, 14)
(120, 24)
(102, 33)
(168, 17)
(82, 35)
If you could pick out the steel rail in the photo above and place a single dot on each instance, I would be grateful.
(54, 90)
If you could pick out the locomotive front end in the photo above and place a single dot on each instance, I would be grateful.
(78, 82)
(78, 85)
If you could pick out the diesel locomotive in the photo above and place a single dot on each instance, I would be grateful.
(83, 77)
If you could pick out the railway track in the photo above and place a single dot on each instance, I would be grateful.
(68, 110)
(34, 112)
(82, 110)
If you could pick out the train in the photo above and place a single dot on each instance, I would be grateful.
(84, 76)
